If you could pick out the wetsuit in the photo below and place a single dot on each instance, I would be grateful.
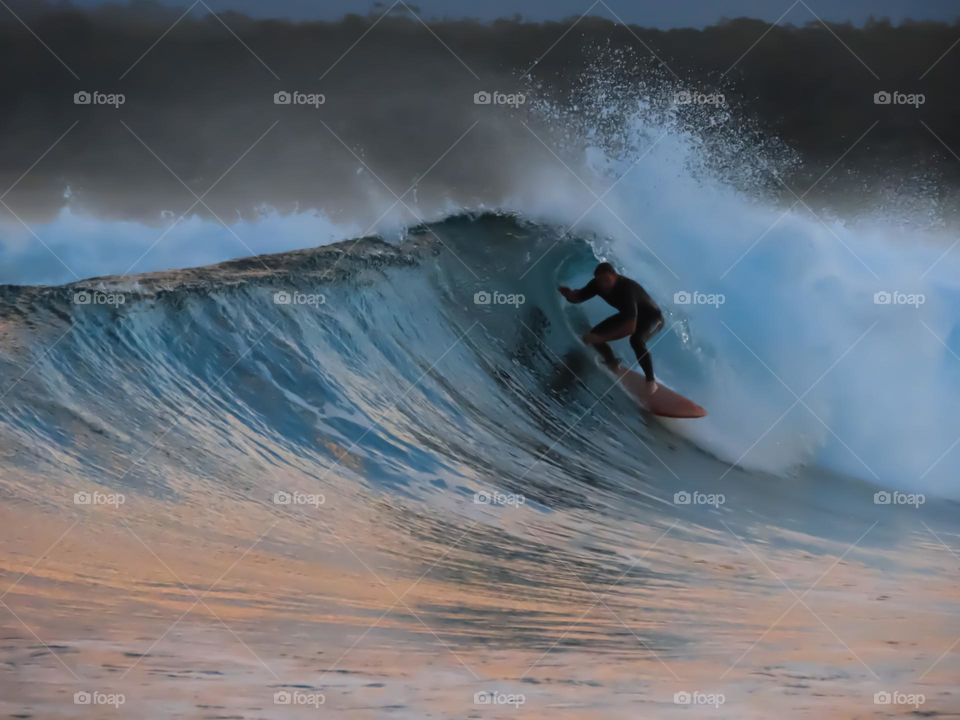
(633, 302)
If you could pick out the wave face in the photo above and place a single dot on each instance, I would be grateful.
(813, 341)
(382, 370)
(434, 359)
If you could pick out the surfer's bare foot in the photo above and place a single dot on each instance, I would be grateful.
(653, 386)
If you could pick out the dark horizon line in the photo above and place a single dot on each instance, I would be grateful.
(132, 8)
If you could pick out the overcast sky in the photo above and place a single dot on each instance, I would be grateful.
(653, 13)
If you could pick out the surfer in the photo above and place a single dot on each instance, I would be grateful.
(638, 316)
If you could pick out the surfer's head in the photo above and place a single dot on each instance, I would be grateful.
(605, 275)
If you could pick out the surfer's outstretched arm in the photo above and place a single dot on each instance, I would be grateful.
(578, 296)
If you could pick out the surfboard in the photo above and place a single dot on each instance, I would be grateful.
(664, 402)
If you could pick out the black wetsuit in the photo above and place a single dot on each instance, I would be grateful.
(633, 302)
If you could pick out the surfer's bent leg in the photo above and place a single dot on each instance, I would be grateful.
(645, 330)
(613, 328)
(606, 353)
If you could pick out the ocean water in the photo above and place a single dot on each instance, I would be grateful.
(387, 495)
(382, 477)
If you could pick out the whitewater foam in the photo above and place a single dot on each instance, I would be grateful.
(836, 342)
(803, 363)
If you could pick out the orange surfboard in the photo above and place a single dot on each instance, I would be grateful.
(664, 402)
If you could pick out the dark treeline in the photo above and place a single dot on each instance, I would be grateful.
(199, 97)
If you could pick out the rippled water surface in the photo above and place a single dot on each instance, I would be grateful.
(376, 496)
